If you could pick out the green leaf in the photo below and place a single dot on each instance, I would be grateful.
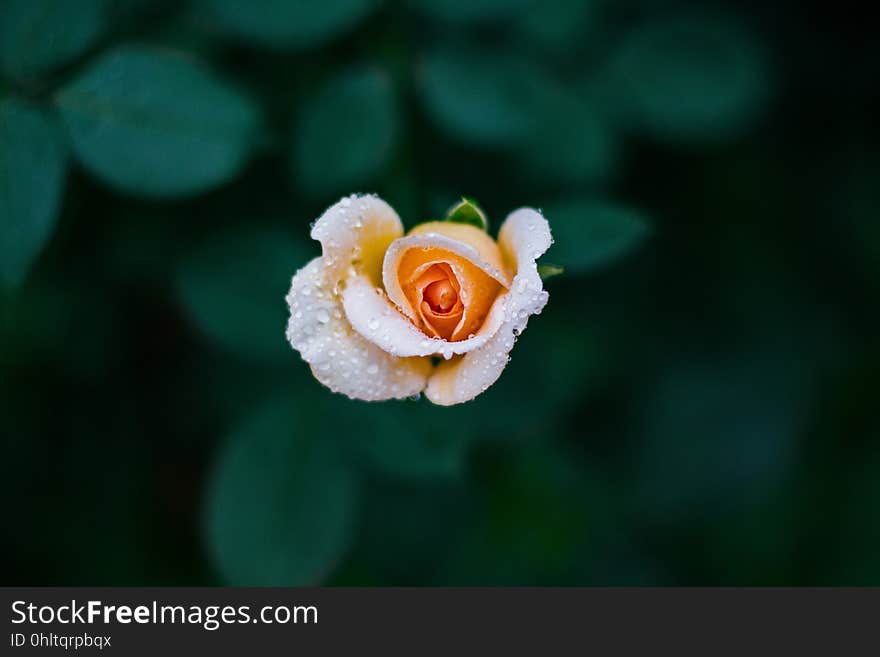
(591, 234)
(546, 271)
(466, 211)
(479, 97)
(280, 506)
(233, 286)
(689, 78)
(337, 147)
(37, 36)
(282, 23)
(33, 163)
(158, 125)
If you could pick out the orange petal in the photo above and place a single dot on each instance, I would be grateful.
(420, 267)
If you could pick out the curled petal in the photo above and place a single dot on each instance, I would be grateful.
(523, 238)
(485, 246)
(339, 357)
(356, 232)
(375, 318)
(446, 248)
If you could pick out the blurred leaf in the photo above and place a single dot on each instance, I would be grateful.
(571, 143)
(285, 23)
(590, 234)
(158, 125)
(479, 97)
(280, 506)
(346, 133)
(412, 440)
(689, 78)
(33, 163)
(234, 284)
(466, 211)
(37, 36)
(466, 10)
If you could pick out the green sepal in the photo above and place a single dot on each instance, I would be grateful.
(550, 271)
(467, 211)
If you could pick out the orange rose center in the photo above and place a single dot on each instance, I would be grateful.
(441, 296)
(434, 292)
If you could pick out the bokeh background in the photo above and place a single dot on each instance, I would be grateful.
(697, 405)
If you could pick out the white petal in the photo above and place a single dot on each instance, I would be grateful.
(356, 231)
(339, 357)
(427, 240)
(379, 321)
(523, 238)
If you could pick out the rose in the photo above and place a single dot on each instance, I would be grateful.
(372, 314)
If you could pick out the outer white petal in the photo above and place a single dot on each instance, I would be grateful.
(523, 238)
(356, 231)
(339, 357)
(378, 320)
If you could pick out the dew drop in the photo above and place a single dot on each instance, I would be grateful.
(323, 316)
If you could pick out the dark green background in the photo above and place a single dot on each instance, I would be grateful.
(698, 403)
